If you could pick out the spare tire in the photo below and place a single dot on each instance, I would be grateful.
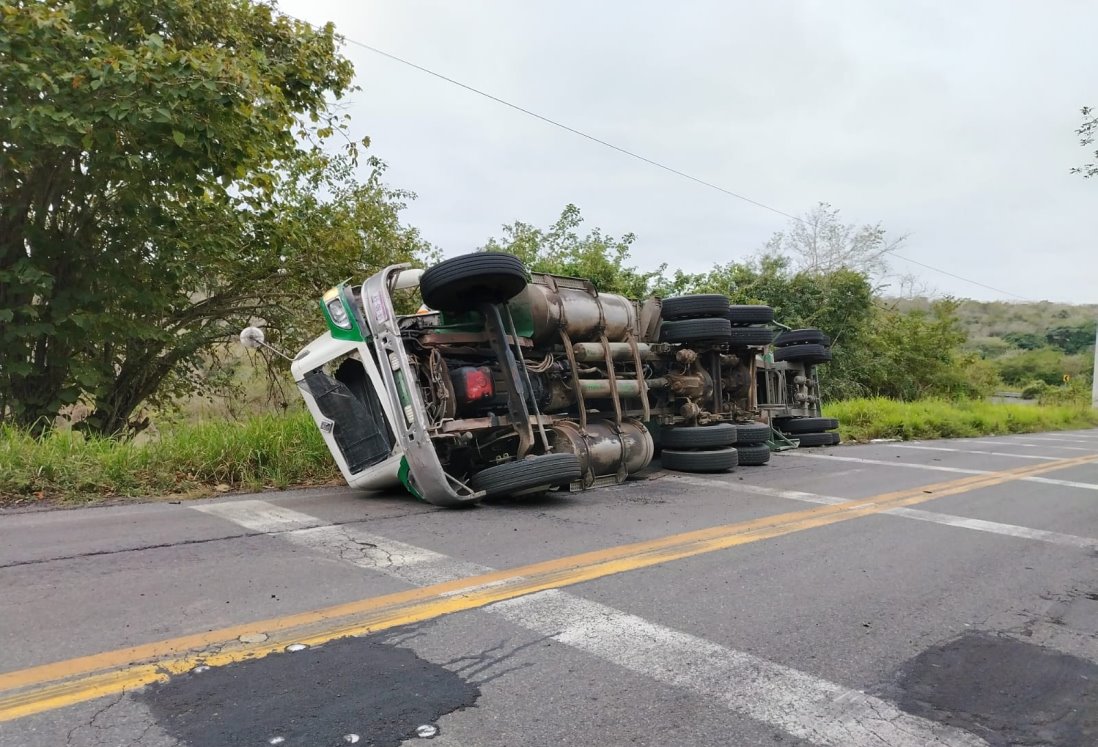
(720, 460)
(806, 353)
(801, 337)
(698, 437)
(529, 474)
(815, 439)
(740, 315)
(462, 283)
(754, 456)
(751, 336)
(807, 425)
(696, 330)
(691, 307)
(752, 433)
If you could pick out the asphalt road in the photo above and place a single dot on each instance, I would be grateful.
(888, 594)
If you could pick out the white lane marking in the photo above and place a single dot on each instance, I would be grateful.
(1065, 440)
(1026, 445)
(941, 468)
(972, 451)
(808, 707)
(260, 516)
(417, 565)
(860, 460)
(843, 473)
(805, 706)
(952, 520)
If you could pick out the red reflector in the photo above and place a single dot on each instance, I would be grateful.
(478, 385)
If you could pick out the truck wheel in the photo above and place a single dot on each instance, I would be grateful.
(815, 439)
(699, 437)
(529, 474)
(806, 353)
(801, 337)
(807, 425)
(751, 336)
(696, 330)
(743, 315)
(754, 456)
(720, 460)
(752, 433)
(462, 283)
(692, 307)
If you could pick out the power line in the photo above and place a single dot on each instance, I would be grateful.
(632, 154)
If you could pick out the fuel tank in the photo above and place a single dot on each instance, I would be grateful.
(574, 305)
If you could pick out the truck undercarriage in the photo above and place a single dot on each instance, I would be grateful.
(506, 382)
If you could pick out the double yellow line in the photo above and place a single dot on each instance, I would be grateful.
(42, 688)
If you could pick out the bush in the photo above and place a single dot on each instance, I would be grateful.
(265, 451)
(1034, 389)
(864, 419)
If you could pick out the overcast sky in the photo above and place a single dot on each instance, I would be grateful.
(951, 122)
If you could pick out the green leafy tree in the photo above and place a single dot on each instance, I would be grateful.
(157, 166)
(562, 250)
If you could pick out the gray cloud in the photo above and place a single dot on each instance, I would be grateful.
(952, 122)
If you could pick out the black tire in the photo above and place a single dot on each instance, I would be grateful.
(751, 336)
(462, 283)
(815, 439)
(807, 425)
(742, 315)
(531, 473)
(720, 460)
(806, 353)
(752, 433)
(696, 330)
(693, 307)
(755, 455)
(699, 437)
(835, 440)
(808, 336)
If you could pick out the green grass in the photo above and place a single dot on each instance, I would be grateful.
(863, 419)
(188, 459)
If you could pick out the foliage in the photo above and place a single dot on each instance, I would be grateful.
(865, 419)
(913, 355)
(1087, 133)
(156, 194)
(819, 243)
(1044, 364)
(562, 251)
(192, 460)
(1034, 389)
(1076, 393)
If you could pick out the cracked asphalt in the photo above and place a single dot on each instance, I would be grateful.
(965, 616)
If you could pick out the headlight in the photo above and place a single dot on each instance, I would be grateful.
(338, 313)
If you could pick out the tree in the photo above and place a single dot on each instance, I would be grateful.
(562, 251)
(156, 162)
(1087, 133)
(820, 243)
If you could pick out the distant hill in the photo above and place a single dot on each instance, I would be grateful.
(1041, 341)
(1023, 325)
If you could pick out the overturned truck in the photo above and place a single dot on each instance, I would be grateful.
(504, 382)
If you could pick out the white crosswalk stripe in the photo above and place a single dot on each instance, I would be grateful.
(808, 707)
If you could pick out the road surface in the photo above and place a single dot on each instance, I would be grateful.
(939, 592)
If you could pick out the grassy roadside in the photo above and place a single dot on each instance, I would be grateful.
(863, 419)
(280, 451)
(196, 459)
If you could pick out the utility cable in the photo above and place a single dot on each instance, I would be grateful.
(632, 154)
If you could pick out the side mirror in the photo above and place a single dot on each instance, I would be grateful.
(252, 337)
